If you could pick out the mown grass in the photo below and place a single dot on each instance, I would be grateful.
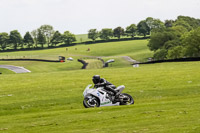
(167, 99)
(5, 71)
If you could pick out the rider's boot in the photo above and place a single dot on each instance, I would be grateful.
(115, 98)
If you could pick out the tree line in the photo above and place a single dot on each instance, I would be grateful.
(44, 35)
(178, 38)
(169, 39)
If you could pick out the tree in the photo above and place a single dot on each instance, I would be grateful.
(34, 34)
(48, 32)
(118, 32)
(93, 34)
(15, 38)
(169, 23)
(154, 24)
(68, 37)
(183, 24)
(131, 30)
(191, 41)
(28, 40)
(143, 28)
(41, 38)
(106, 33)
(4, 40)
(160, 54)
(175, 52)
(159, 39)
(57, 38)
(194, 23)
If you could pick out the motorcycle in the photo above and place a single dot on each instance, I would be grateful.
(100, 97)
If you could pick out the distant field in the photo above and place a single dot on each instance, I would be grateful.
(131, 48)
(137, 49)
(82, 38)
(167, 99)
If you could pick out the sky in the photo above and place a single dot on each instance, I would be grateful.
(78, 16)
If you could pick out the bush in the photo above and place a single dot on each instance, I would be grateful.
(160, 54)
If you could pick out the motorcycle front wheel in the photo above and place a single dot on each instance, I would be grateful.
(91, 102)
(126, 99)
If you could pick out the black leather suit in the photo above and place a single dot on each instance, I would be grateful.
(107, 85)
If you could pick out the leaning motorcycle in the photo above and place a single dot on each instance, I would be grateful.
(98, 97)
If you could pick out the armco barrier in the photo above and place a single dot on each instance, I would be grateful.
(172, 60)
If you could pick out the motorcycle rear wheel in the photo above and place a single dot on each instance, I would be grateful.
(129, 100)
(88, 104)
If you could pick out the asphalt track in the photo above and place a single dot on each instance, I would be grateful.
(15, 69)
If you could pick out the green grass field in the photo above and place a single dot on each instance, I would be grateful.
(167, 99)
(49, 99)
(5, 71)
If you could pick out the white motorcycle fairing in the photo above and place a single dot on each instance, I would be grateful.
(102, 95)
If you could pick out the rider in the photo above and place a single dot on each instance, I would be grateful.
(101, 82)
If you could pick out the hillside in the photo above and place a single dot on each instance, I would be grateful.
(49, 99)
(136, 49)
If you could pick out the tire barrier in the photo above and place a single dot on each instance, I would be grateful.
(102, 61)
(172, 60)
(29, 60)
(84, 63)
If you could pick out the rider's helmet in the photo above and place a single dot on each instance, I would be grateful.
(96, 79)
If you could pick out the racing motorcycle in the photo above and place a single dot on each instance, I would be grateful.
(98, 97)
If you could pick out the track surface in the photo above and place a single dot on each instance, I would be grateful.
(15, 69)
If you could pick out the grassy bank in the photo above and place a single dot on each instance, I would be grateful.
(167, 99)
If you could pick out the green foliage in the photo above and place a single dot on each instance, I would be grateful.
(69, 37)
(15, 38)
(179, 30)
(159, 39)
(194, 23)
(34, 34)
(106, 34)
(178, 39)
(175, 52)
(160, 54)
(93, 34)
(28, 40)
(183, 24)
(48, 32)
(118, 32)
(171, 43)
(57, 38)
(169, 23)
(41, 39)
(4, 40)
(191, 41)
(131, 30)
(154, 24)
(143, 28)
